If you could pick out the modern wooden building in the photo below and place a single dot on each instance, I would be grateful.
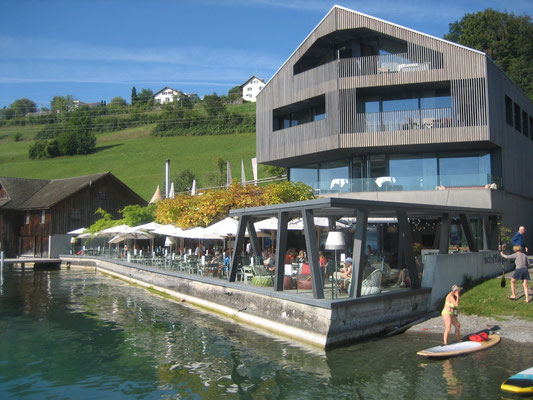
(369, 109)
(35, 215)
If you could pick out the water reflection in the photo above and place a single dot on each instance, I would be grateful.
(78, 332)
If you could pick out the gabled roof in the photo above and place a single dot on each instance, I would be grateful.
(253, 77)
(19, 190)
(27, 194)
(337, 7)
(165, 88)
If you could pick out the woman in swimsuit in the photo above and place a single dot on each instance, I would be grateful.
(449, 312)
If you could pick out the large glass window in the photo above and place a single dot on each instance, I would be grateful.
(307, 174)
(414, 173)
(464, 169)
(395, 172)
(334, 176)
(303, 112)
(400, 105)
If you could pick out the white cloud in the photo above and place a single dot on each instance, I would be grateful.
(17, 48)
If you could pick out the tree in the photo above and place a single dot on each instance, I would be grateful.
(186, 102)
(133, 95)
(7, 113)
(78, 138)
(117, 103)
(234, 94)
(145, 97)
(214, 105)
(62, 104)
(134, 215)
(22, 107)
(506, 38)
(188, 211)
(183, 181)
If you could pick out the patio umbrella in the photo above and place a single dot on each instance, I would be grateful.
(168, 230)
(271, 224)
(226, 227)
(150, 226)
(199, 233)
(113, 231)
(78, 231)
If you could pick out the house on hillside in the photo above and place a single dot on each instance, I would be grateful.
(167, 95)
(251, 88)
(35, 214)
(367, 109)
(77, 104)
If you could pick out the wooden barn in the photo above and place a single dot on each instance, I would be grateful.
(35, 215)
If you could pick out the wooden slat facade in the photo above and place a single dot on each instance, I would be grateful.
(465, 71)
(24, 232)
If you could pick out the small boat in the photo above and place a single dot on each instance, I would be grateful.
(455, 349)
(521, 383)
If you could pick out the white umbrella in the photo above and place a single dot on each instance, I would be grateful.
(171, 192)
(78, 231)
(150, 226)
(168, 230)
(113, 231)
(199, 233)
(271, 224)
(227, 227)
(170, 240)
(298, 223)
(133, 234)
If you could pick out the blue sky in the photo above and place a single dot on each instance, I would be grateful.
(96, 50)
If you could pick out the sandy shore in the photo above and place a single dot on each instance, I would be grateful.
(513, 329)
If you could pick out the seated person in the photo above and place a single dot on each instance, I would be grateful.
(224, 267)
(346, 274)
(403, 277)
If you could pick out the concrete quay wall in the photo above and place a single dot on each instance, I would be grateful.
(323, 323)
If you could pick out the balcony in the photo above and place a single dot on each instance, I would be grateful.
(389, 64)
(408, 183)
(403, 120)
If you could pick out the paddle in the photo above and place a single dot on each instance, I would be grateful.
(502, 280)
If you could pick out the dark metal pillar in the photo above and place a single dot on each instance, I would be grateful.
(444, 242)
(312, 254)
(467, 229)
(256, 244)
(237, 249)
(490, 232)
(407, 245)
(281, 249)
(359, 258)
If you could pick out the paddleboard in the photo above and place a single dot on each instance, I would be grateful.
(521, 383)
(456, 349)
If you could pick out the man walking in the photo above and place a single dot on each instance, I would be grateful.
(518, 239)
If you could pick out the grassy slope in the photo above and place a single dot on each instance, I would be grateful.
(488, 298)
(132, 155)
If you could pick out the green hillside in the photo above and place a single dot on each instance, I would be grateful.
(134, 156)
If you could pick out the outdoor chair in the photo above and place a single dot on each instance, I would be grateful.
(372, 284)
(247, 274)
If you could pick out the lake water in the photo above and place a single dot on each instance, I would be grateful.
(77, 334)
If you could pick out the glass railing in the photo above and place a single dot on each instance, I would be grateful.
(389, 63)
(403, 120)
(407, 183)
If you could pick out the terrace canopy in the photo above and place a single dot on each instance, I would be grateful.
(334, 209)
